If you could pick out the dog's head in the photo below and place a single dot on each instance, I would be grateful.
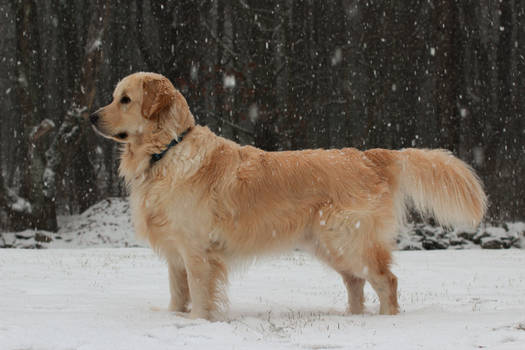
(143, 105)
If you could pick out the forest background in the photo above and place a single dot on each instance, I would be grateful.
(279, 75)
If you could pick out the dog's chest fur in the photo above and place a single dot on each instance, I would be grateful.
(163, 202)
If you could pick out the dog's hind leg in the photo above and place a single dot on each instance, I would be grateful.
(385, 285)
(355, 288)
(383, 280)
(179, 290)
(354, 284)
(207, 276)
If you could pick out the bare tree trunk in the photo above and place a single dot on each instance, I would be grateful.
(448, 75)
(29, 91)
(70, 148)
(299, 104)
(375, 57)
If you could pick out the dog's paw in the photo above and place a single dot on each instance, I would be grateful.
(173, 307)
(170, 310)
(182, 314)
(211, 316)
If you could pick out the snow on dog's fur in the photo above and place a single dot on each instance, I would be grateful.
(209, 201)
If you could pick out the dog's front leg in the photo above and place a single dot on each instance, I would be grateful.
(180, 294)
(207, 276)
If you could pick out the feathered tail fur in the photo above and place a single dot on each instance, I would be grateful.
(441, 185)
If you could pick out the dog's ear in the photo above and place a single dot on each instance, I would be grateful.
(158, 94)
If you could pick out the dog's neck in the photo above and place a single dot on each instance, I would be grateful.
(155, 157)
(136, 158)
(135, 161)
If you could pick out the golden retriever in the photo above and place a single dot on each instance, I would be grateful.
(203, 201)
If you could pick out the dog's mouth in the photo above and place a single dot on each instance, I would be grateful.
(121, 136)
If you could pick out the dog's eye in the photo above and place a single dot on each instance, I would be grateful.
(125, 99)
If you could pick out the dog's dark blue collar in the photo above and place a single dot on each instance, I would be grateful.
(158, 156)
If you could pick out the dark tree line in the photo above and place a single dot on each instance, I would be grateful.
(277, 74)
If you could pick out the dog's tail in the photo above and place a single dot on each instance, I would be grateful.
(441, 185)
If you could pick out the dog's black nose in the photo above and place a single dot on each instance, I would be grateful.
(93, 118)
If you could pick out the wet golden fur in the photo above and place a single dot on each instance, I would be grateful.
(210, 201)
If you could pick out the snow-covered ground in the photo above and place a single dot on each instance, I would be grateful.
(106, 299)
(105, 224)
